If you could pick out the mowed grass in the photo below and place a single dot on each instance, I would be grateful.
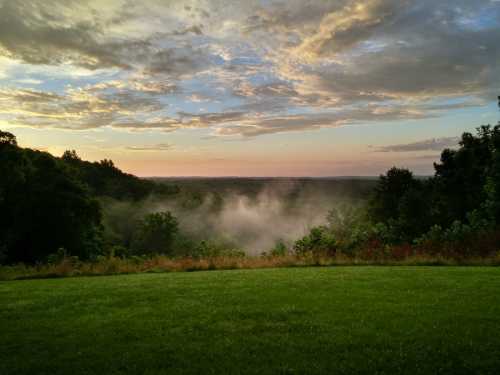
(270, 321)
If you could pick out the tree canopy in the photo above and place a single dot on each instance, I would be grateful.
(49, 203)
(466, 185)
(44, 207)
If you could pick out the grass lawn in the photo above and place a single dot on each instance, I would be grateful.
(369, 320)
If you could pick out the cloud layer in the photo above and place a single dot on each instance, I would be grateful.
(244, 69)
(433, 144)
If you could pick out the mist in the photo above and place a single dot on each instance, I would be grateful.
(251, 221)
(256, 224)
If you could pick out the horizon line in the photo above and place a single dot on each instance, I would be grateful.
(280, 177)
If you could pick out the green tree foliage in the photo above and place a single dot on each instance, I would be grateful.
(462, 198)
(349, 224)
(156, 234)
(468, 177)
(462, 174)
(280, 249)
(120, 221)
(388, 193)
(7, 138)
(414, 212)
(319, 241)
(43, 207)
(104, 179)
(400, 201)
(211, 249)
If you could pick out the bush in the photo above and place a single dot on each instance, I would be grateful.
(57, 257)
(119, 251)
(279, 249)
(211, 249)
(319, 241)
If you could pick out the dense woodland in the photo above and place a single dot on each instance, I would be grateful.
(63, 206)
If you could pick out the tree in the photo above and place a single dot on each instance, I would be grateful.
(465, 177)
(47, 203)
(156, 234)
(414, 213)
(465, 190)
(44, 207)
(384, 204)
(104, 179)
(7, 138)
(70, 156)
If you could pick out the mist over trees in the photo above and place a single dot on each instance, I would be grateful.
(156, 234)
(454, 213)
(50, 203)
(92, 209)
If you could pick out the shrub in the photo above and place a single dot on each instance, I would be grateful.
(57, 257)
(211, 249)
(119, 251)
(279, 249)
(319, 241)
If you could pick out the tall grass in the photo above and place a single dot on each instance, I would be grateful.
(70, 266)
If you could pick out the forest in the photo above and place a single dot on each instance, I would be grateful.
(58, 207)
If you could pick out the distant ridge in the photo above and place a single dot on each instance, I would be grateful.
(270, 178)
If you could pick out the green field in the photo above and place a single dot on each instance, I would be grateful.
(289, 321)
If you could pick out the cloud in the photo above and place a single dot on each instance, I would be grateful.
(69, 32)
(157, 147)
(145, 86)
(345, 27)
(263, 67)
(123, 105)
(207, 119)
(76, 109)
(198, 98)
(272, 97)
(261, 125)
(178, 61)
(386, 51)
(196, 29)
(38, 33)
(433, 144)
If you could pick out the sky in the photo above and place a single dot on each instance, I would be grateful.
(250, 87)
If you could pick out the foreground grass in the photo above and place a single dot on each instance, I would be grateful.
(290, 320)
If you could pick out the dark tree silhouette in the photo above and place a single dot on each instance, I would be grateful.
(44, 207)
(387, 194)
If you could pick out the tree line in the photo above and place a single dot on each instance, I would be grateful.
(455, 213)
(50, 204)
